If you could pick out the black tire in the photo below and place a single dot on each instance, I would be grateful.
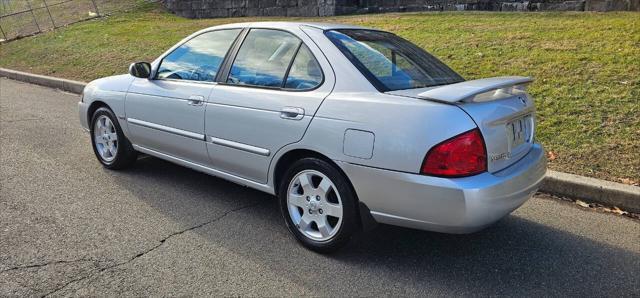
(125, 154)
(349, 226)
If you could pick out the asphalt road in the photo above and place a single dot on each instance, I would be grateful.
(70, 227)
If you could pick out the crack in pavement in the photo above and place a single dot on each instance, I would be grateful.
(47, 264)
(19, 120)
(162, 241)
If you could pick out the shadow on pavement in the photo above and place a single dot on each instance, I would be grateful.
(514, 257)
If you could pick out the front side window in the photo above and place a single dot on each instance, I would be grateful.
(198, 59)
(263, 58)
(390, 62)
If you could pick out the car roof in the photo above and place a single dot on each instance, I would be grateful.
(288, 25)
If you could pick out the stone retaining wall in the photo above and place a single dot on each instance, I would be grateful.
(238, 8)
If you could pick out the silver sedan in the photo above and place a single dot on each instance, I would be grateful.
(348, 126)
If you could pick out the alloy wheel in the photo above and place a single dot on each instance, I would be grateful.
(314, 205)
(106, 138)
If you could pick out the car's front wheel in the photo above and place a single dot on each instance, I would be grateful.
(318, 205)
(110, 145)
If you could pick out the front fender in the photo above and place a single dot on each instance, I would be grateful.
(110, 91)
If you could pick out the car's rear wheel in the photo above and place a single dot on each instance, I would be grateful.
(318, 205)
(110, 145)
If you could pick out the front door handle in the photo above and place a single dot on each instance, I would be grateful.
(292, 113)
(195, 100)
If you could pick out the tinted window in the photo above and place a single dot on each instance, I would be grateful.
(305, 71)
(390, 62)
(263, 58)
(198, 59)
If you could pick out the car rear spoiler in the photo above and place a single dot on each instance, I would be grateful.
(468, 90)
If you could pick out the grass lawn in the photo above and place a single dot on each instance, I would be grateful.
(586, 65)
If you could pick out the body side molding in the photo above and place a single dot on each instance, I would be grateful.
(240, 146)
(168, 129)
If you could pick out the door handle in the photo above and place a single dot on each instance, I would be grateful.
(292, 113)
(195, 100)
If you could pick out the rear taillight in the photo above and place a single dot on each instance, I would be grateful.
(462, 155)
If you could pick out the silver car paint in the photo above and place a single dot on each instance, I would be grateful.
(265, 120)
(177, 124)
(460, 205)
(405, 128)
(492, 117)
(242, 149)
(467, 89)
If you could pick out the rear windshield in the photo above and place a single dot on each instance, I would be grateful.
(390, 62)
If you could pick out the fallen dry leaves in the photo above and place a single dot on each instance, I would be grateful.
(551, 155)
(613, 209)
(616, 210)
(628, 181)
(592, 206)
(582, 204)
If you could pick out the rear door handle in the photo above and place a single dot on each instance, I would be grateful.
(292, 113)
(195, 100)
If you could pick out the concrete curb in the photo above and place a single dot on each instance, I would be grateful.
(626, 197)
(47, 81)
(587, 189)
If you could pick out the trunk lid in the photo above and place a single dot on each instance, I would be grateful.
(503, 111)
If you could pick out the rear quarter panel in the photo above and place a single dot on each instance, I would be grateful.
(404, 129)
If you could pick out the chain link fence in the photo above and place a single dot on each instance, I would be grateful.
(21, 18)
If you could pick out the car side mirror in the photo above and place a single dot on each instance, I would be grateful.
(140, 70)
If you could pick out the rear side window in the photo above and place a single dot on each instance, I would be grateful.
(305, 72)
(198, 59)
(263, 58)
(390, 62)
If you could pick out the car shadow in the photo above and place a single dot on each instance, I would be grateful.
(516, 256)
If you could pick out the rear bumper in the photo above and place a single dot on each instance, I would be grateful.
(458, 205)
